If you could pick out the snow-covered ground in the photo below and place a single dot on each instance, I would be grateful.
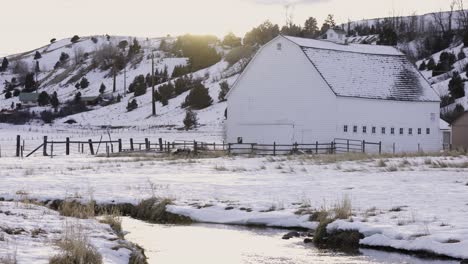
(28, 234)
(414, 203)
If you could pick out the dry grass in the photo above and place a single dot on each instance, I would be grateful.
(220, 168)
(75, 248)
(154, 210)
(114, 220)
(343, 208)
(77, 210)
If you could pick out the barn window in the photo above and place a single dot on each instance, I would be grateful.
(410, 131)
(345, 128)
(239, 140)
(401, 131)
(278, 46)
(392, 131)
(419, 131)
(373, 130)
(383, 130)
(364, 129)
(355, 129)
(428, 131)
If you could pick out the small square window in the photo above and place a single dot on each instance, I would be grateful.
(373, 130)
(278, 46)
(410, 131)
(345, 128)
(355, 129)
(401, 131)
(419, 131)
(364, 129)
(392, 131)
(383, 130)
(428, 131)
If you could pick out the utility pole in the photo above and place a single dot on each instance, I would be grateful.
(152, 84)
(125, 80)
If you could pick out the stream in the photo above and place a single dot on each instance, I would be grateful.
(214, 244)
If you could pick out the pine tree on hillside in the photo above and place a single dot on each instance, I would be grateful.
(4, 65)
(84, 83)
(43, 99)
(77, 98)
(431, 64)
(456, 86)
(166, 91)
(132, 105)
(8, 95)
(102, 89)
(64, 57)
(138, 86)
(461, 55)
(37, 55)
(54, 101)
(190, 120)
(388, 37)
(75, 39)
(198, 98)
(29, 82)
(53, 40)
(422, 66)
(310, 29)
(37, 69)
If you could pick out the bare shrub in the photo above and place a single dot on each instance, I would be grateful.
(75, 248)
(343, 208)
(77, 210)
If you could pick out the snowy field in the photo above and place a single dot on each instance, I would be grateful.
(28, 234)
(416, 203)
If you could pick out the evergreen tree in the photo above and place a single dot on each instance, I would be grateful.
(423, 66)
(431, 64)
(54, 101)
(198, 98)
(77, 98)
(84, 83)
(310, 29)
(224, 89)
(64, 57)
(190, 120)
(461, 55)
(53, 40)
(166, 91)
(8, 95)
(388, 37)
(261, 34)
(445, 63)
(37, 69)
(29, 82)
(163, 45)
(232, 40)
(328, 23)
(43, 99)
(4, 65)
(134, 48)
(37, 55)
(138, 86)
(16, 92)
(102, 89)
(132, 105)
(456, 86)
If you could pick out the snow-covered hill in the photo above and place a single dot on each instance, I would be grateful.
(82, 63)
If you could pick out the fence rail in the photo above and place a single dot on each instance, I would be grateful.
(94, 147)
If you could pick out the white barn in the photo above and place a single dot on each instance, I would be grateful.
(305, 90)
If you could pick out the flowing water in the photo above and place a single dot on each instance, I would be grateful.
(216, 244)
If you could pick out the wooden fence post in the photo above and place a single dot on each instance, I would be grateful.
(316, 147)
(67, 146)
(252, 148)
(380, 147)
(18, 145)
(161, 148)
(229, 148)
(274, 148)
(44, 147)
(52, 149)
(195, 150)
(147, 144)
(347, 145)
(107, 150)
(131, 144)
(120, 145)
(363, 146)
(91, 148)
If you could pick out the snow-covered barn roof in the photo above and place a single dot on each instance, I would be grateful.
(367, 71)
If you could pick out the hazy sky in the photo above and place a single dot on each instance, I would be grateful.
(28, 24)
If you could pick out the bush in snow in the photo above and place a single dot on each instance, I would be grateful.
(8, 95)
(445, 63)
(132, 105)
(64, 57)
(185, 83)
(77, 98)
(190, 120)
(75, 39)
(102, 89)
(224, 89)
(198, 98)
(94, 40)
(53, 40)
(123, 45)
(20, 67)
(54, 101)
(37, 55)
(84, 83)
(16, 92)
(43, 99)
(47, 116)
(138, 86)
(29, 82)
(456, 86)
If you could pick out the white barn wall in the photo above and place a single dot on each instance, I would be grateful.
(292, 103)
(386, 113)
